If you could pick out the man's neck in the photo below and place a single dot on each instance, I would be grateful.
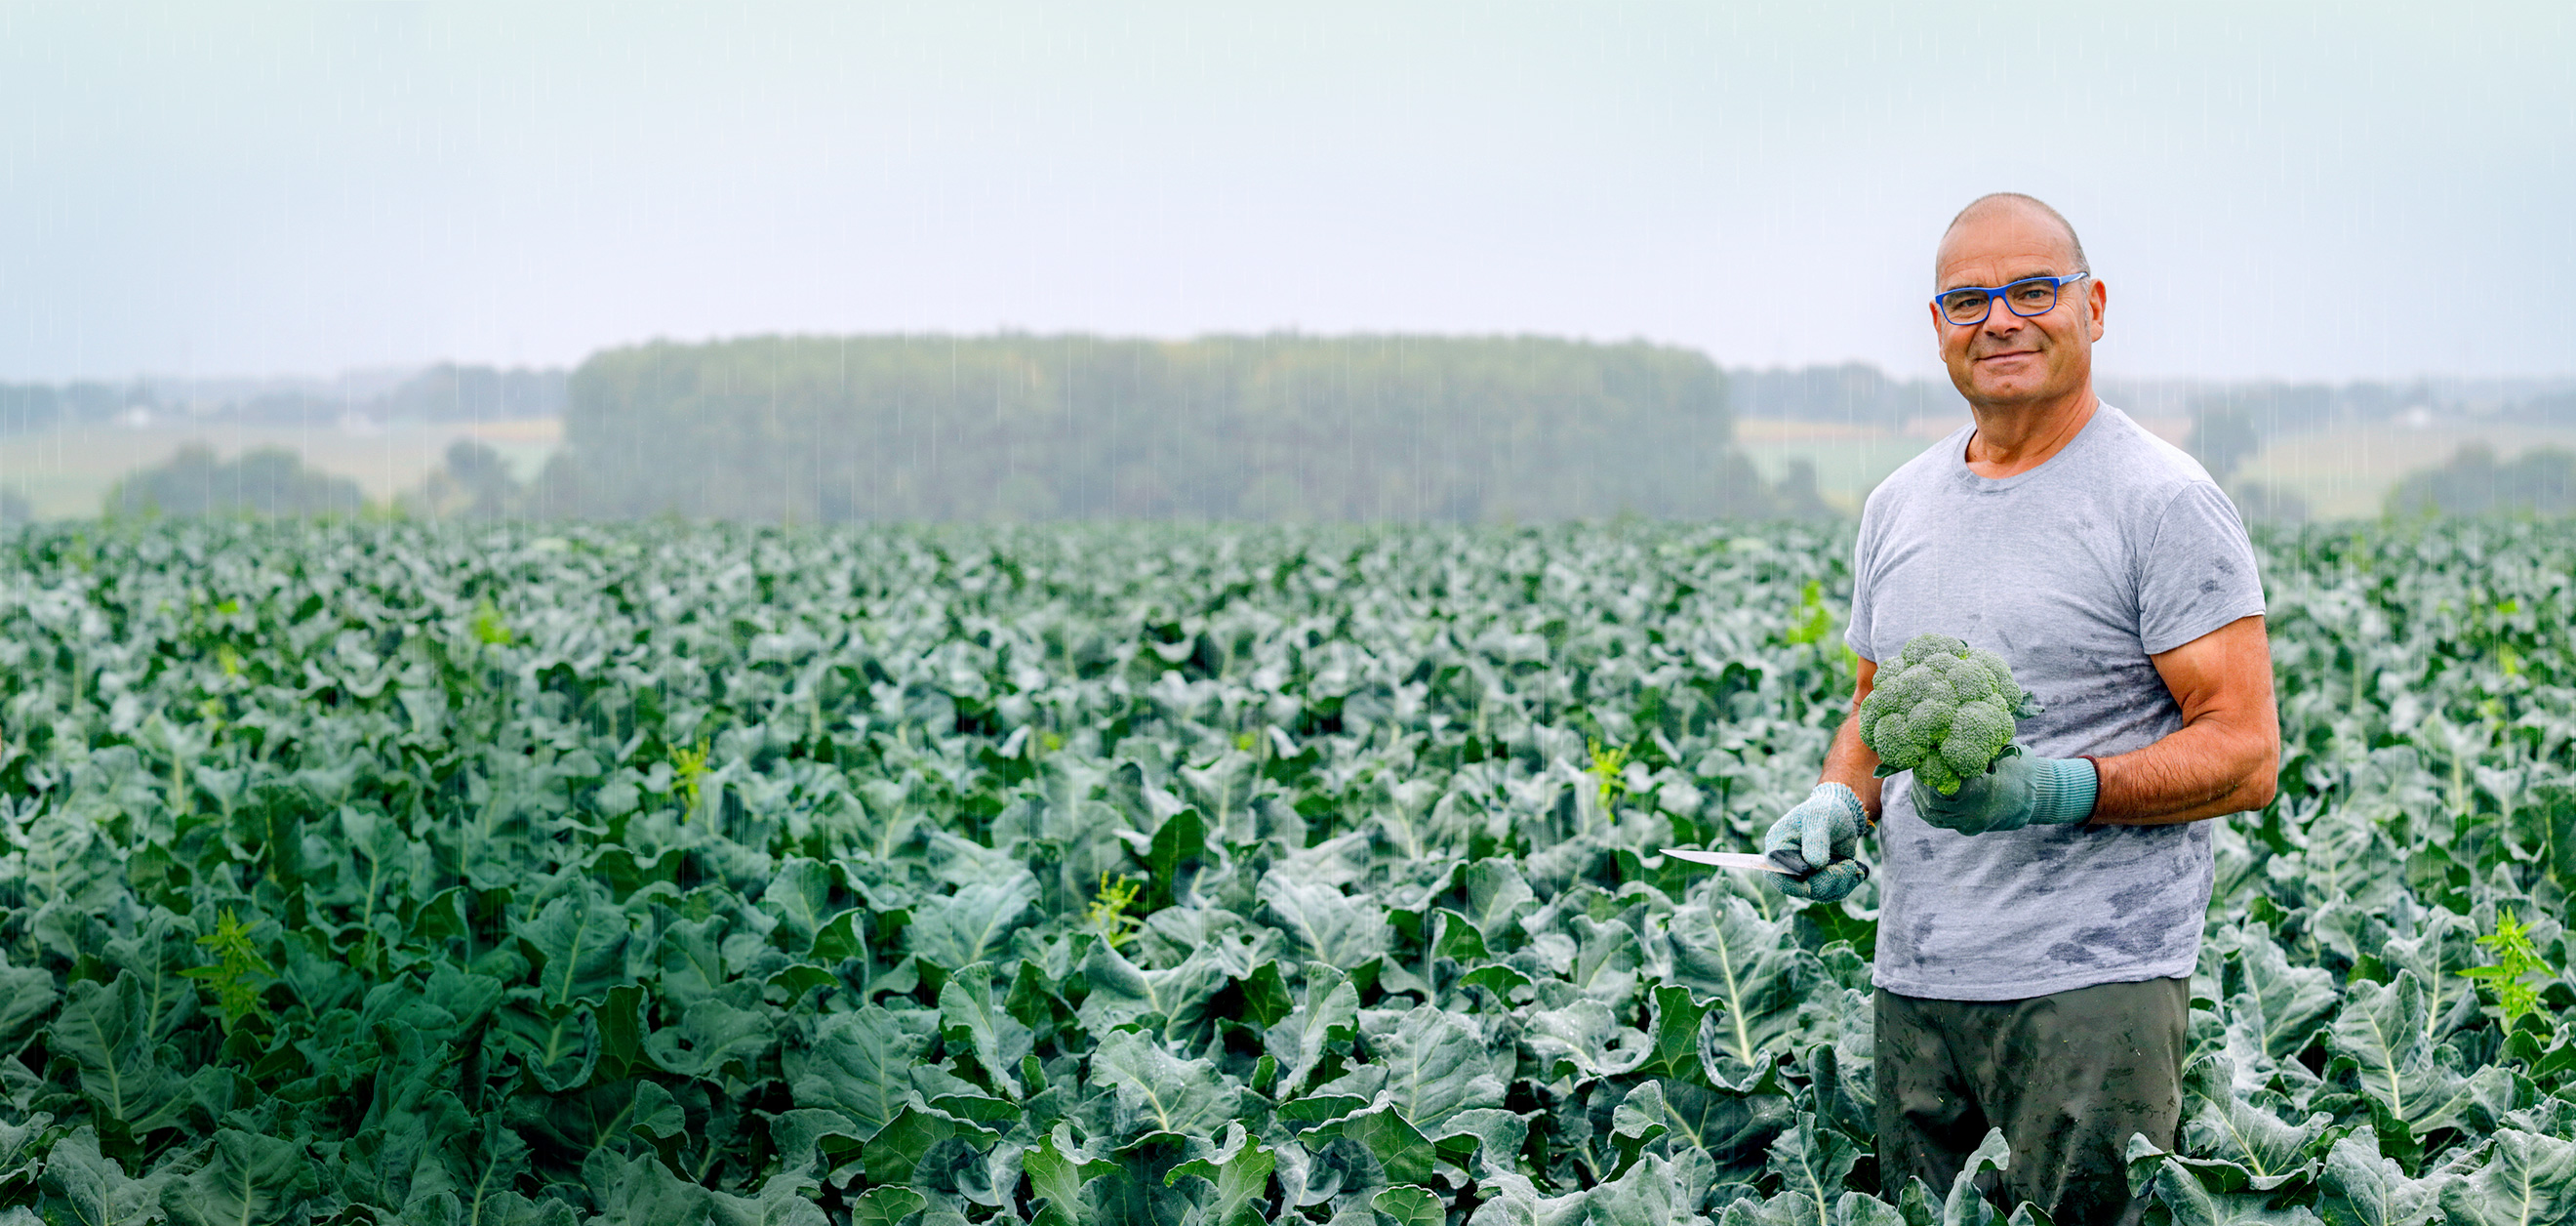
(2014, 439)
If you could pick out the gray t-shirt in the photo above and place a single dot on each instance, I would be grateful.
(2118, 548)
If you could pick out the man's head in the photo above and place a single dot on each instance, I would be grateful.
(2007, 360)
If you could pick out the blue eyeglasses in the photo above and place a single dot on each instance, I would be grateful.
(1970, 304)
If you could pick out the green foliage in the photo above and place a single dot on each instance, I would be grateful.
(1279, 427)
(1153, 874)
(2539, 481)
(689, 768)
(1108, 910)
(270, 481)
(238, 974)
(1943, 711)
(2518, 963)
(491, 631)
(1607, 783)
(1815, 619)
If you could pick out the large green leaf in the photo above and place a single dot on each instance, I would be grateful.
(1497, 896)
(799, 897)
(1325, 924)
(2363, 1188)
(1674, 1032)
(2194, 1205)
(971, 1019)
(1403, 1154)
(973, 924)
(1966, 1205)
(1583, 1041)
(1437, 1064)
(641, 1189)
(2383, 1037)
(1326, 1019)
(2295, 1000)
(857, 1064)
(1813, 1160)
(1734, 1129)
(1238, 1173)
(1121, 993)
(1606, 959)
(1409, 1205)
(107, 1031)
(247, 1178)
(2220, 1124)
(2444, 945)
(1160, 1092)
(1651, 1193)
(1725, 949)
(714, 1040)
(26, 994)
(95, 1191)
(579, 940)
(2523, 1179)
(1058, 1169)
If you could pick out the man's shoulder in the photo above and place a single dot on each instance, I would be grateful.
(1943, 458)
(2136, 455)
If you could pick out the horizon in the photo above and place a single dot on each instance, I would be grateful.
(380, 378)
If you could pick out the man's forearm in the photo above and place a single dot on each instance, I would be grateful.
(1849, 762)
(2205, 770)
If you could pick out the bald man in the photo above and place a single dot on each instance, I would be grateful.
(2037, 930)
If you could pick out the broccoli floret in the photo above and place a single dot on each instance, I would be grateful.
(1924, 647)
(1897, 740)
(1943, 711)
(1979, 732)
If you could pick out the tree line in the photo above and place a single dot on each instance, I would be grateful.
(1283, 426)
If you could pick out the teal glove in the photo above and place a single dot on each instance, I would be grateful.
(1824, 829)
(2020, 791)
(1827, 884)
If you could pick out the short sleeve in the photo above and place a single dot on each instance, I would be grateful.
(1856, 633)
(2197, 572)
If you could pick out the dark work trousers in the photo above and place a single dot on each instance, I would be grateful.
(2068, 1077)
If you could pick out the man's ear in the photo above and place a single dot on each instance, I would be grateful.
(2096, 296)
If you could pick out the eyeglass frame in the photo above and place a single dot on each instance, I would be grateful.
(2056, 288)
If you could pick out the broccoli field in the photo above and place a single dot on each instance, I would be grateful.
(393, 873)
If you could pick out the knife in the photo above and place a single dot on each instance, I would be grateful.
(1784, 861)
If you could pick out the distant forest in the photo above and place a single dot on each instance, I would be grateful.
(1284, 426)
(807, 429)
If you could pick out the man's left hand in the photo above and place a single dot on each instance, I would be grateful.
(2020, 791)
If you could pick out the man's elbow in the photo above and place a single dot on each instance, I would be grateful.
(2262, 781)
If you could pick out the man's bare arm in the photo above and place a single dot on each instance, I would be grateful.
(1848, 761)
(2227, 756)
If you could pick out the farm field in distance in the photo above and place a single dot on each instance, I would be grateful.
(408, 873)
(66, 472)
(2342, 472)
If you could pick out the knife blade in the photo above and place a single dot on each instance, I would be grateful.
(1737, 859)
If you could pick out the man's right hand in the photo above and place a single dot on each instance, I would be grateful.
(1825, 830)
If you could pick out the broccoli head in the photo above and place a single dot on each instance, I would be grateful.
(1944, 711)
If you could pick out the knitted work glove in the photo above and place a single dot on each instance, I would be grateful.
(1825, 830)
(2020, 791)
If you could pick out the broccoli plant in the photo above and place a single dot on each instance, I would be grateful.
(1943, 711)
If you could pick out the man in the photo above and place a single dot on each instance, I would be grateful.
(2038, 929)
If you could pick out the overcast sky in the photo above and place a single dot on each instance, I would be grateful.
(2315, 191)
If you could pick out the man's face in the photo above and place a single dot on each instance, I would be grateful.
(2007, 359)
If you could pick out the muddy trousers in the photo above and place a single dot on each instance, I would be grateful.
(2068, 1077)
